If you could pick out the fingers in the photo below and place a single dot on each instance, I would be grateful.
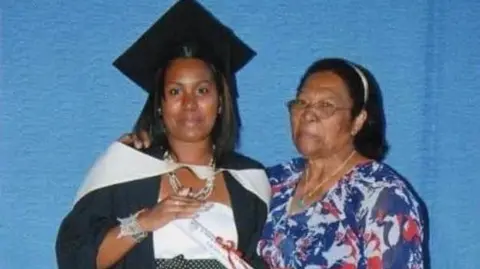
(182, 207)
(144, 138)
(186, 211)
(171, 208)
(184, 192)
(179, 201)
(185, 214)
(137, 143)
(126, 139)
(132, 140)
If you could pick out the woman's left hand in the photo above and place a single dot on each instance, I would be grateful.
(138, 140)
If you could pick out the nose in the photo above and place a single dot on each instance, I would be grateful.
(190, 102)
(308, 115)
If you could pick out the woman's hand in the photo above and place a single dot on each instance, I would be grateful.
(172, 207)
(139, 140)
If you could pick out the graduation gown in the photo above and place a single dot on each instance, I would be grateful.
(99, 204)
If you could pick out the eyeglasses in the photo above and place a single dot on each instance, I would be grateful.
(323, 109)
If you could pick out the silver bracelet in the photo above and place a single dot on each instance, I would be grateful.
(130, 227)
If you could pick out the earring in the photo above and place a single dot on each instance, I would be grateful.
(159, 111)
(219, 110)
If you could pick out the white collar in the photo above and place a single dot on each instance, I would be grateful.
(121, 164)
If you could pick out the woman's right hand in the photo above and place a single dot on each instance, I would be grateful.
(139, 140)
(172, 207)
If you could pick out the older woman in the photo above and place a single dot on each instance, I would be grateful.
(339, 206)
(136, 207)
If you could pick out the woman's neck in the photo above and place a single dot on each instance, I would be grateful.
(320, 169)
(196, 153)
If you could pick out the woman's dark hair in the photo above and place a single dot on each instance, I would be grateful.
(370, 141)
(225, 130)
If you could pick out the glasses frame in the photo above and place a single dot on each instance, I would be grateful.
(297, 105)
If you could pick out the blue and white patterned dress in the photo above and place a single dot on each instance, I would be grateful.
(368, 219)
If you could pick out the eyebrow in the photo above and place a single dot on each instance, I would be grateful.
(328, 95)
(206, 81)
(209, 81)
(329, 92)
(327, 88)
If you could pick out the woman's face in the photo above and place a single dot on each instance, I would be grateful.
(320, 117)
(191, 102)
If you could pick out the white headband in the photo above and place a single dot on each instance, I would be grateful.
(364, 82)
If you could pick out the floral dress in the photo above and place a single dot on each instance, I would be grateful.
(368, 219)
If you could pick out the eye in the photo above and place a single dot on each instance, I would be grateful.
(203, 90)
(296, 104)
(326, 105)
(300, 103)
(173, 91)
(325, 108)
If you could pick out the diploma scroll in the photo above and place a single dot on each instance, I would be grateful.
(224, 252)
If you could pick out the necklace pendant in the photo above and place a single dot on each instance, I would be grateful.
(201, 194)
(300, 203)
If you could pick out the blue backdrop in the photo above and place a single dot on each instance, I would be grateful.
(62, 103)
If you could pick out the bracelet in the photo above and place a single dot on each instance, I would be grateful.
(130, 227)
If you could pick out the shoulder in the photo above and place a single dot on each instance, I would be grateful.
(376, 175)
(249, 173)
(388, 205)
(154, 151)
(382, 187)
(139, 188)
(285, 171)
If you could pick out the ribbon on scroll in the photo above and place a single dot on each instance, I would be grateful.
(229, 246)
(224, 251)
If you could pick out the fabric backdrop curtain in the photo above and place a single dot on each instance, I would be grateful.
(62, 103)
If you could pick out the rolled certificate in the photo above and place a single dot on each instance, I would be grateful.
(224, 252)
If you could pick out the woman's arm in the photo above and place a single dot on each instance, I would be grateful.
(113, 248)
(83, 230)
(88, 237)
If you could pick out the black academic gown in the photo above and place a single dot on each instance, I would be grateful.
(86, 225)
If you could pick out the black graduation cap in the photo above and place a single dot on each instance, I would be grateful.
(185, 21)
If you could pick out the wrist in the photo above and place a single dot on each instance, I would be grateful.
(131, 227)
(144, 220)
